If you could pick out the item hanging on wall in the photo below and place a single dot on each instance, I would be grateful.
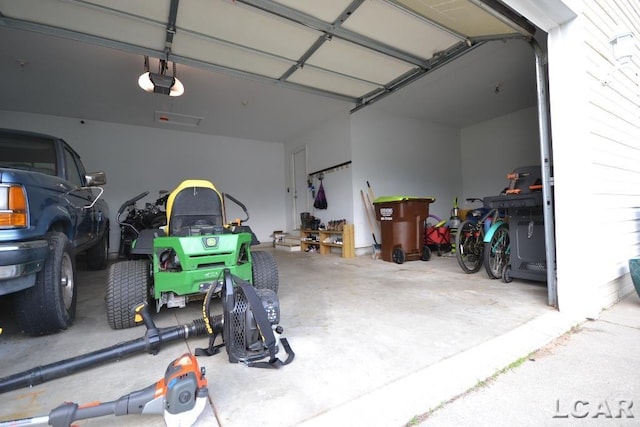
(321, 199)
(311, 188)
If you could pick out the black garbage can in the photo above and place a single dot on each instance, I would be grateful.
(402, 227)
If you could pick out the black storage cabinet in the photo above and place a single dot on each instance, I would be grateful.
(526, 224)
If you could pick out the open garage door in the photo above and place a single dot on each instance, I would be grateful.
(354, 50)
(357, 51)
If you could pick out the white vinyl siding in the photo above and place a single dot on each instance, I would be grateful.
(613, 120)
(595, 137)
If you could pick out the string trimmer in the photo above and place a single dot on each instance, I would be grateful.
(181, 396)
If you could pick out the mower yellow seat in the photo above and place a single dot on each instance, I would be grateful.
(194, 203)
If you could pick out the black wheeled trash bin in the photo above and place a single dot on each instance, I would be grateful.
(402, 227)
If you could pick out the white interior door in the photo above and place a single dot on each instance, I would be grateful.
(300, 192)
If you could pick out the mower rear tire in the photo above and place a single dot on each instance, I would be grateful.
(127, 287)
(265, 271)
(50, 305)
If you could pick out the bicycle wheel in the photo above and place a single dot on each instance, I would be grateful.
(469, 246)
(496, 253)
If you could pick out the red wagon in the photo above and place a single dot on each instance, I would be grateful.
(436, 235)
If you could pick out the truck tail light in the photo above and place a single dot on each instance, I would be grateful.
(13, 206)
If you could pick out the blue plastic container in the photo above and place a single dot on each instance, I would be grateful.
(634, 271)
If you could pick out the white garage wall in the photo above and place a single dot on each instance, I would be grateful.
(136, 159)
(327, 145)
(403, 156)
(492, 149)
(397, 155)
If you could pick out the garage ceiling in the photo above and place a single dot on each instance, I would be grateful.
(335, 55)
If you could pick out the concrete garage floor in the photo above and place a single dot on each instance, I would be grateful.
(376, 343)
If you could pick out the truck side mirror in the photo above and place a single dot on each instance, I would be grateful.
(95, 178)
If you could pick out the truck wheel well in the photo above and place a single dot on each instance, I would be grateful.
(60, 227)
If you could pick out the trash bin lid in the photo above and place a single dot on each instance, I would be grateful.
(388, 199)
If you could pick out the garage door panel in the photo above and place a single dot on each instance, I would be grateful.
(460, 16)
(229, 56)
(246, 27)
(394, 27)
(326, 10)
(365, 64)
(331, 82)
(86, 19)
(339, 47)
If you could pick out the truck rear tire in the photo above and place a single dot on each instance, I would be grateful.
(127, 287)
(50, 305)
(265, 271)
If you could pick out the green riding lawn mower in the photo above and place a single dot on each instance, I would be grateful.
(199, 255)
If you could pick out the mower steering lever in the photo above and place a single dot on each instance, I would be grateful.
(131, 202)
(240, 204)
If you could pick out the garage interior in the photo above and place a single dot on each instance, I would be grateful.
(249, 105)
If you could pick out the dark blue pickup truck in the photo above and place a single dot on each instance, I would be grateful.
(50, 210)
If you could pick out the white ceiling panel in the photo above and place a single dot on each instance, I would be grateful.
(461, 16)
(350, 59)
(86, 19)
(311, 77)
(326, 10)
(245, 26)
(229, 56)
(148, 9)
(390, 25)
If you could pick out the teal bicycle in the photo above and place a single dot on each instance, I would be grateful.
(483, 239)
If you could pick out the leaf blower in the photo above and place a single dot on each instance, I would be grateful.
(250, 329)
(248, 324)
(180, 396)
